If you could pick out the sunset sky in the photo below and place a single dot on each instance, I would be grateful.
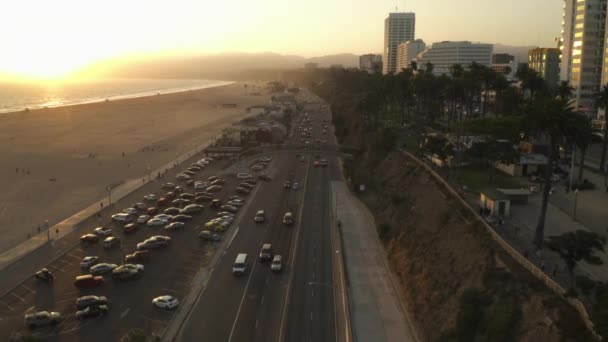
(46, 39)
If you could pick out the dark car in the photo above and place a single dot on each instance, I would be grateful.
(171, 211)
(170, 186)
(89, 238)
(163, 201)
(92, 311)
(246, 185)
(170, 195)
(178, 189)
(187, 196)
(125, 274)
(88, 281)
(130, 228)
(190, 182)
(44, 275)
(137, 256)
(203, 199)
(86, 301)
(214, 188)
(181, 218)
(216, 203)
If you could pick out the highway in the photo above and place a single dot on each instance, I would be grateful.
(299, 303)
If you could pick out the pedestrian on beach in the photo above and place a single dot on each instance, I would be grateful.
(101, 205)
(57, 231)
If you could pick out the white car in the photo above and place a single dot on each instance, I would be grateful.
(200, 185)
(151, 197)
(102, 268)
(130, 211)
(89, 261)
(165, 302)
(243, 176)
(237, 199)
(227, 218)
(183, 176)
(157, 222)
(135, 267)
(121, 217)
(236, 203)
(140, 206)
(277, 263)
(104, 231)
(164, 217)
(143, 218)
(295, 186)
(161, 237)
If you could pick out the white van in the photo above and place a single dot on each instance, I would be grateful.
(240, 264)
(260, 216)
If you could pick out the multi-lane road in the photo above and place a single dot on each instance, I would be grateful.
(298, 304)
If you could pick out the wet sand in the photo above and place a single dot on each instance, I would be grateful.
(56, 161)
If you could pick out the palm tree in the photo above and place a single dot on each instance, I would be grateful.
(564, 90)
(554, 121)
(602, 102)
(582, 141)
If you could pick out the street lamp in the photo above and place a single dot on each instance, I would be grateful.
(109, 190)
(575, 202)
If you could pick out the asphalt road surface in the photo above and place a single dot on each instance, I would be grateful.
(298, 304)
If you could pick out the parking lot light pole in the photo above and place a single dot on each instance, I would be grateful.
(575, 203)
(109, 190)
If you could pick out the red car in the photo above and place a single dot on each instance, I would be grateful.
(316, 163)
(88, 281)
(163, 201)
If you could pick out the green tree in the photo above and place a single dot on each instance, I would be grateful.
(602, 102)
(552, 120)
(577, 246)
(564, 90)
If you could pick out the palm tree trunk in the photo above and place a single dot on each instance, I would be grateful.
(539, 234)
(581, 168)
(605, 143)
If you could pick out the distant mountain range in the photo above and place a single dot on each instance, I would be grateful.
(234, 65)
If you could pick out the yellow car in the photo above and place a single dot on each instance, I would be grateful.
(214, 226)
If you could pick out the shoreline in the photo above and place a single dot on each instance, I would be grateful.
(137, 95)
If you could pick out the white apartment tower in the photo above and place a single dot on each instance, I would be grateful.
(407, 52)
(444, 55)
(398, 28)
(582, 50)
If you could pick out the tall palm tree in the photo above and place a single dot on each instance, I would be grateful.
(602, 102)
(564, 90)
(554, 121)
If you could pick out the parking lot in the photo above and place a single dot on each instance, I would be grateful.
(169, 271)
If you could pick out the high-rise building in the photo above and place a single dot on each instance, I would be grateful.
(505, 64)
(407, 52)
(546, 62)
(370, 63)
(582, 49)
(445, 54)
(398, 28)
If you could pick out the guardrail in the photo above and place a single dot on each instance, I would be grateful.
(538, 273)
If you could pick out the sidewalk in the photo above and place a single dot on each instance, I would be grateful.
(67, 226)
(375, 306)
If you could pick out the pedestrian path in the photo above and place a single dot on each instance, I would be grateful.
(375, 307)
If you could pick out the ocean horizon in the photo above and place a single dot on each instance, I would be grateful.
(19, 96)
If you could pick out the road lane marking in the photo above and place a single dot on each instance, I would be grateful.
(238, 312)
(232, 238)
(125, 313)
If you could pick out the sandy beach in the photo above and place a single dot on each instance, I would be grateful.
(57, 161)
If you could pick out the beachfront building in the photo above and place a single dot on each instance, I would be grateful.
(398, 28)
(370, 63)
(582, 50)
(546, 62)
(445, 54)
(407, 52)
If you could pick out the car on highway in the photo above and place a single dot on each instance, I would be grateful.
(207, 235)
(200, 185)
(192, 209)
(190, 182)
(277, 263)
(156, 222)
(165, 217)
(178, 202)
(89, 238)
(260, 216)
(288, 218)
(174, 226)
(88, 280)
(247, 186)
(250, 181)
(44, 275)
(214, 188)
(168, 186)
(90, 300)
(171, 211)
(143, 219)
(264, 177)
(202, 199)
(257, 167)
(227, 218)
(89, 261)
(138, 256)
(102, 268)
(218, 181)
(240, 264)
(323, 162)
(150, 198)
(178, 189)
(287, 184)
(91, 311)
(130, 211)
(123, 273)
(215, 203)
(183, 176)
(170, 195)
(103, 231)
(243, 191)
(189, 173)
(111, 242)
(229, 208)
(214, 226)
(266, 252)
(212, 178)
(236, 203)
(295, 186)
(165, 302)
(122, 217)
(151, 244)
(130, 228)
(41, 318)
(187, 196)
(243, 175)
(225, 213)
(181, 218)
(152, 211)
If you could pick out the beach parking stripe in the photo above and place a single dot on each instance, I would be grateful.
(27, 288)
(21, 299)
(8, 306)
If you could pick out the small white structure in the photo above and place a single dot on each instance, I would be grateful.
(528, 164)
(496, 203)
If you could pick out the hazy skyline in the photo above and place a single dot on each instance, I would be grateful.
(47, 39)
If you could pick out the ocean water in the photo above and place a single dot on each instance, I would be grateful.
(19, 96)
